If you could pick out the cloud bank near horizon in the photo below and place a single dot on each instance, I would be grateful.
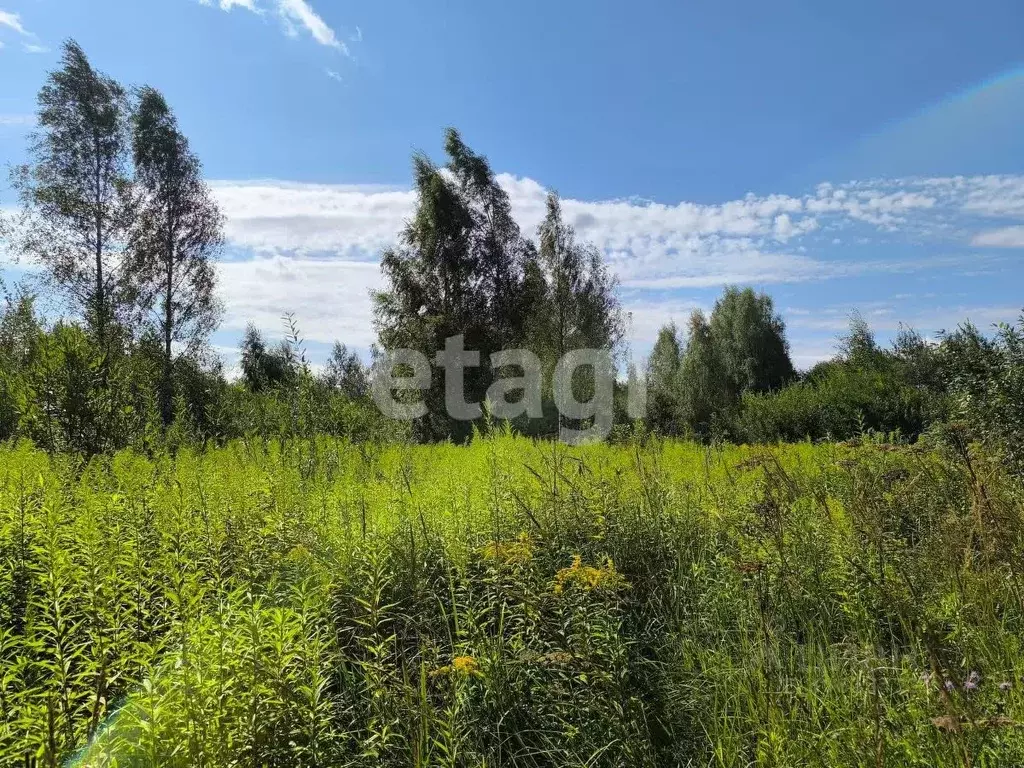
(313, 248)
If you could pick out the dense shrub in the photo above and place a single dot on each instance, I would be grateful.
(986, 377)
(59, 390)
(836, 401)
(896, 391)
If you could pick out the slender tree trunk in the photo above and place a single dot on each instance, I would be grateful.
(560, 302)
(101, 299)
(101, 308)
(166, 390)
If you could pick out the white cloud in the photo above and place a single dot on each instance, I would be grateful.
(295, 15)
(785, 228)
(994, 196)
(330, 297)
(333, 75)
(227, 5)
(649, 245)
(13, 21)
(317, 247)
(24, 120)
(277, 217)
(806, 354)
(645, 317)
(1009, 237)
(299, 12)
(873, 204)
(886, 317)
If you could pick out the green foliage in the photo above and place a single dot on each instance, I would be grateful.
(840, 401)
(705, 399)
(438, 283)
(59, 389)
(264, 368)
(510, 603)
(750, 340)
(54, 390)
(346, 373)
(579, 309)
(464, 268)
(986, 380)
(79, 196)
(177, 234)
(865, 389)
(662, 381)
(696, 388)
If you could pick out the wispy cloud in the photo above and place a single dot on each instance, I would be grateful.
(296, 16)
(17, 120)
(687, 243)
(645, 317)
(333, 75)
(227, 5)
(317, 246)
(13, 21)
(889, 315)
(300, 13)
(994, 196)
(1008, 237)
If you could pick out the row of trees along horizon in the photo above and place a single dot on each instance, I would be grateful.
(126, 233)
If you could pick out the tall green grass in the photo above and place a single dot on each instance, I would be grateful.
(511, 603)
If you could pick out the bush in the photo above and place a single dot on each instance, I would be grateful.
(837, 401)
(986, 379)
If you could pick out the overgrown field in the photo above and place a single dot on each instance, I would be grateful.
(511, 603)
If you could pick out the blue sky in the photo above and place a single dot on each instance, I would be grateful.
(836, 155)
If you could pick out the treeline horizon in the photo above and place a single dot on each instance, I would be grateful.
(116, 214)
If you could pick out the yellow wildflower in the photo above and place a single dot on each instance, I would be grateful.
(517, 552)
(466, 665)
(588, 578)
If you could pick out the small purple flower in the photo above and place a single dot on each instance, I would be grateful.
(1005, 686)
(972, 682)
(949, 685)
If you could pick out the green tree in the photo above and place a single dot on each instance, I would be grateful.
(706, 397)
(858, 345)
(663, 381)
(500, 253)
(180, 234)
(574, 302)
(345, 373)
(750, 338)
(462, 266)
(78, 194)
(986, 378)
(581, 309)
(457, 269)
(264, 368)
(21, 335)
